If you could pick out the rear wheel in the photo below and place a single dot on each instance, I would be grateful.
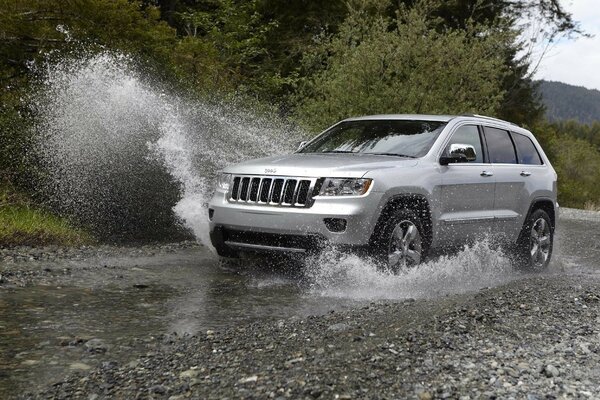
(400, 244)
(534, 248)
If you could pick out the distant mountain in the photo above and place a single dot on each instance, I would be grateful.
(565, 102)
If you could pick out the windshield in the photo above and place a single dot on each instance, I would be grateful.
(406, 138)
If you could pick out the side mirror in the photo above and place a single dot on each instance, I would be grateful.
(459, 153)
(301, 145)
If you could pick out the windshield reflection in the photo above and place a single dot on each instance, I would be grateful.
(405, 138)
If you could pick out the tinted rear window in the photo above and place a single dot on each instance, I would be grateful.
(500, 146)
(526, 150)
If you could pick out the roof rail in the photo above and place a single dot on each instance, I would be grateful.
(486, 117)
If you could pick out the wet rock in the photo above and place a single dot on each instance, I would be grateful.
(189, 374)
(107, 365)
(79, 366)
(158, 389)
(96, 346)
(425, 396)
(248, 379)
(140, 286)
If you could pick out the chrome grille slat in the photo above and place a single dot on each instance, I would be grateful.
(274, 191)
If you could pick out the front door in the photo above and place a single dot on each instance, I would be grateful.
(467, 194)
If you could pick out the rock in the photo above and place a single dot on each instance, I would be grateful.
(158, 389)
(551, 371)
(140, 286)
(341, 327)
(96, 346)
(109, 365)
(80, 366)
(425, 396)
(249, 379)
(189, 374)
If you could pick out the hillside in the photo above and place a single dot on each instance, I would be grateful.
(564, 102)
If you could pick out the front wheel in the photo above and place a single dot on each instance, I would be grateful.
(400, 244)
(534, 248)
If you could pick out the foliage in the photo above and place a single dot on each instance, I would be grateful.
(576, 161)
(370, 68)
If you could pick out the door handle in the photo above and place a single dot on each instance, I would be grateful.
(486, 173)
(525, 173)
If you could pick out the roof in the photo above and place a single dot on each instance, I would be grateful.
(420, 117)
(427, 117)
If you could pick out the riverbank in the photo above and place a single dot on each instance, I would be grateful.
(22, 223)
(535, 338)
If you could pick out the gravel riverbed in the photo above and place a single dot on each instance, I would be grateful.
(537, 338)
(25, 265)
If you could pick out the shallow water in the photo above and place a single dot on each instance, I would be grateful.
(125, 301)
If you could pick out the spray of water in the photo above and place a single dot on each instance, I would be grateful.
(349, 276)
(125, 155)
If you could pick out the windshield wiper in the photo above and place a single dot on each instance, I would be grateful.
(392, 154)
(338, 151)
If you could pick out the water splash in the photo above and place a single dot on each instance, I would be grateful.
(348, 276)
(127, 156)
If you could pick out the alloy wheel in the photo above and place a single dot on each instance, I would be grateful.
(405, 246)
(540, 242)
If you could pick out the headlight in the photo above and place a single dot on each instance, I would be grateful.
(345, 187)
(224, 181)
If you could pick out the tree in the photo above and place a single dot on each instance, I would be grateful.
(369, 68)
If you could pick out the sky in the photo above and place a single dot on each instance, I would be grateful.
(576, 62)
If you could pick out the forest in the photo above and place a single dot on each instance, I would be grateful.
(564, 102)
(311, 62)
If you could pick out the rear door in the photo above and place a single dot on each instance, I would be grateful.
(531, 171)
(509, 194)
(467, 193)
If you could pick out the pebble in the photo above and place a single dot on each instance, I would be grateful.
(551, 371)
(96, 346)
(341, 327)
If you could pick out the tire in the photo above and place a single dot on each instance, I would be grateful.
(535, 244)
(399, 243)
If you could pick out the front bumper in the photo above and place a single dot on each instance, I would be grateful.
(290, 229)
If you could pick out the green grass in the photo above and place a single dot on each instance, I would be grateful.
(23, 223)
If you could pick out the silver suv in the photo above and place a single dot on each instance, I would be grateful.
(399, 187)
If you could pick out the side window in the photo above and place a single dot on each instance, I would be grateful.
(500, 146)
(526, 149)
(467, 134)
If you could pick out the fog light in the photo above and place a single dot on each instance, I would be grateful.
(335, 224)
(211, 214)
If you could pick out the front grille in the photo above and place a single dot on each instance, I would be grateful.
(272, 190)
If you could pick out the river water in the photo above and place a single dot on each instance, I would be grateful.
(126, 301)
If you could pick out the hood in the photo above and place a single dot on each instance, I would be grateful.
(319, 165)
